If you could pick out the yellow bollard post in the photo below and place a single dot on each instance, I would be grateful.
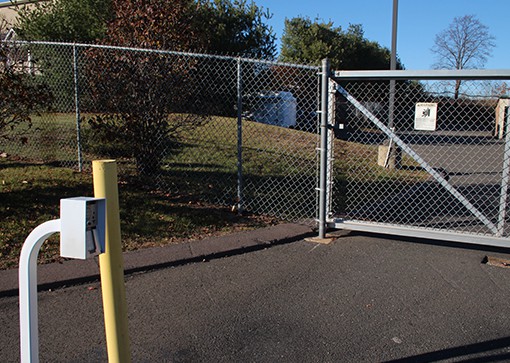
(111, 265)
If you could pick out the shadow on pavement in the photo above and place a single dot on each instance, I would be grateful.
(464, 351)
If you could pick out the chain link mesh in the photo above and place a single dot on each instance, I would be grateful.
(244, 133)
(231, 131)
(447, 179)
(50, 136)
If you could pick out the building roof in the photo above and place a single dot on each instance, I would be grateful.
(9, 3)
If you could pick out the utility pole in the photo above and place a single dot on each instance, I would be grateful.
(392, 154)
(393, 62)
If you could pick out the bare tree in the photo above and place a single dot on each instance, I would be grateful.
(465, 44)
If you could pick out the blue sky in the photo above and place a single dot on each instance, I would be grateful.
(418, 22)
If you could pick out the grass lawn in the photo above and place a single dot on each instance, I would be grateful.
(31, 193)
(193, 195)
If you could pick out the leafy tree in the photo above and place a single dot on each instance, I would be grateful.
(233, 28)
(142, 95)
(146, 99)
(81, 21)
(310, 41)
(64, 20)
(361, 53)
(138, 93)
(226, 26)
(466, 43)
(158, 24)
(21, 96)
(239, 29)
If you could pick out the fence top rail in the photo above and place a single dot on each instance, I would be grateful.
(465, 74)
(168, 52)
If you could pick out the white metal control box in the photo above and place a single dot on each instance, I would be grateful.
(82, 231)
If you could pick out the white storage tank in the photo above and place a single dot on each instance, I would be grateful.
(275, 108)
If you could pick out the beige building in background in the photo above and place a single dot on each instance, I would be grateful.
(7, 16)
(8, 12)
(501, 117)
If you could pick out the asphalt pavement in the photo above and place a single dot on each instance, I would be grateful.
(271, 296)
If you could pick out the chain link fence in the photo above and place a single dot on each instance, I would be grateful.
(430, 154)
(426, 154)
(230, 131)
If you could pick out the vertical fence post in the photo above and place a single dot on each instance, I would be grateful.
(239, 137)
(504, 177)
(77, 108)
(323, 173)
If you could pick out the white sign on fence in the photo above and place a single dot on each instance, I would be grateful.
(425, 116)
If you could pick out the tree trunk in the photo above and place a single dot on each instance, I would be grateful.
(457, 89)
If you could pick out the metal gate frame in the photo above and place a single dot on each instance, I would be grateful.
(326, 171)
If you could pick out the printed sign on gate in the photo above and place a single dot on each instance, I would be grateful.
(425, 116)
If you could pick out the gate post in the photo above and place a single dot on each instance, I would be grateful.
(323, 173)
(505, 175)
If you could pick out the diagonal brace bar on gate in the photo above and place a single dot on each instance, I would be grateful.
(438, 177)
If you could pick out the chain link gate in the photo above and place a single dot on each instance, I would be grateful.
(439, 174)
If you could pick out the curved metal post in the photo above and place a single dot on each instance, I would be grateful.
(29, 336)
